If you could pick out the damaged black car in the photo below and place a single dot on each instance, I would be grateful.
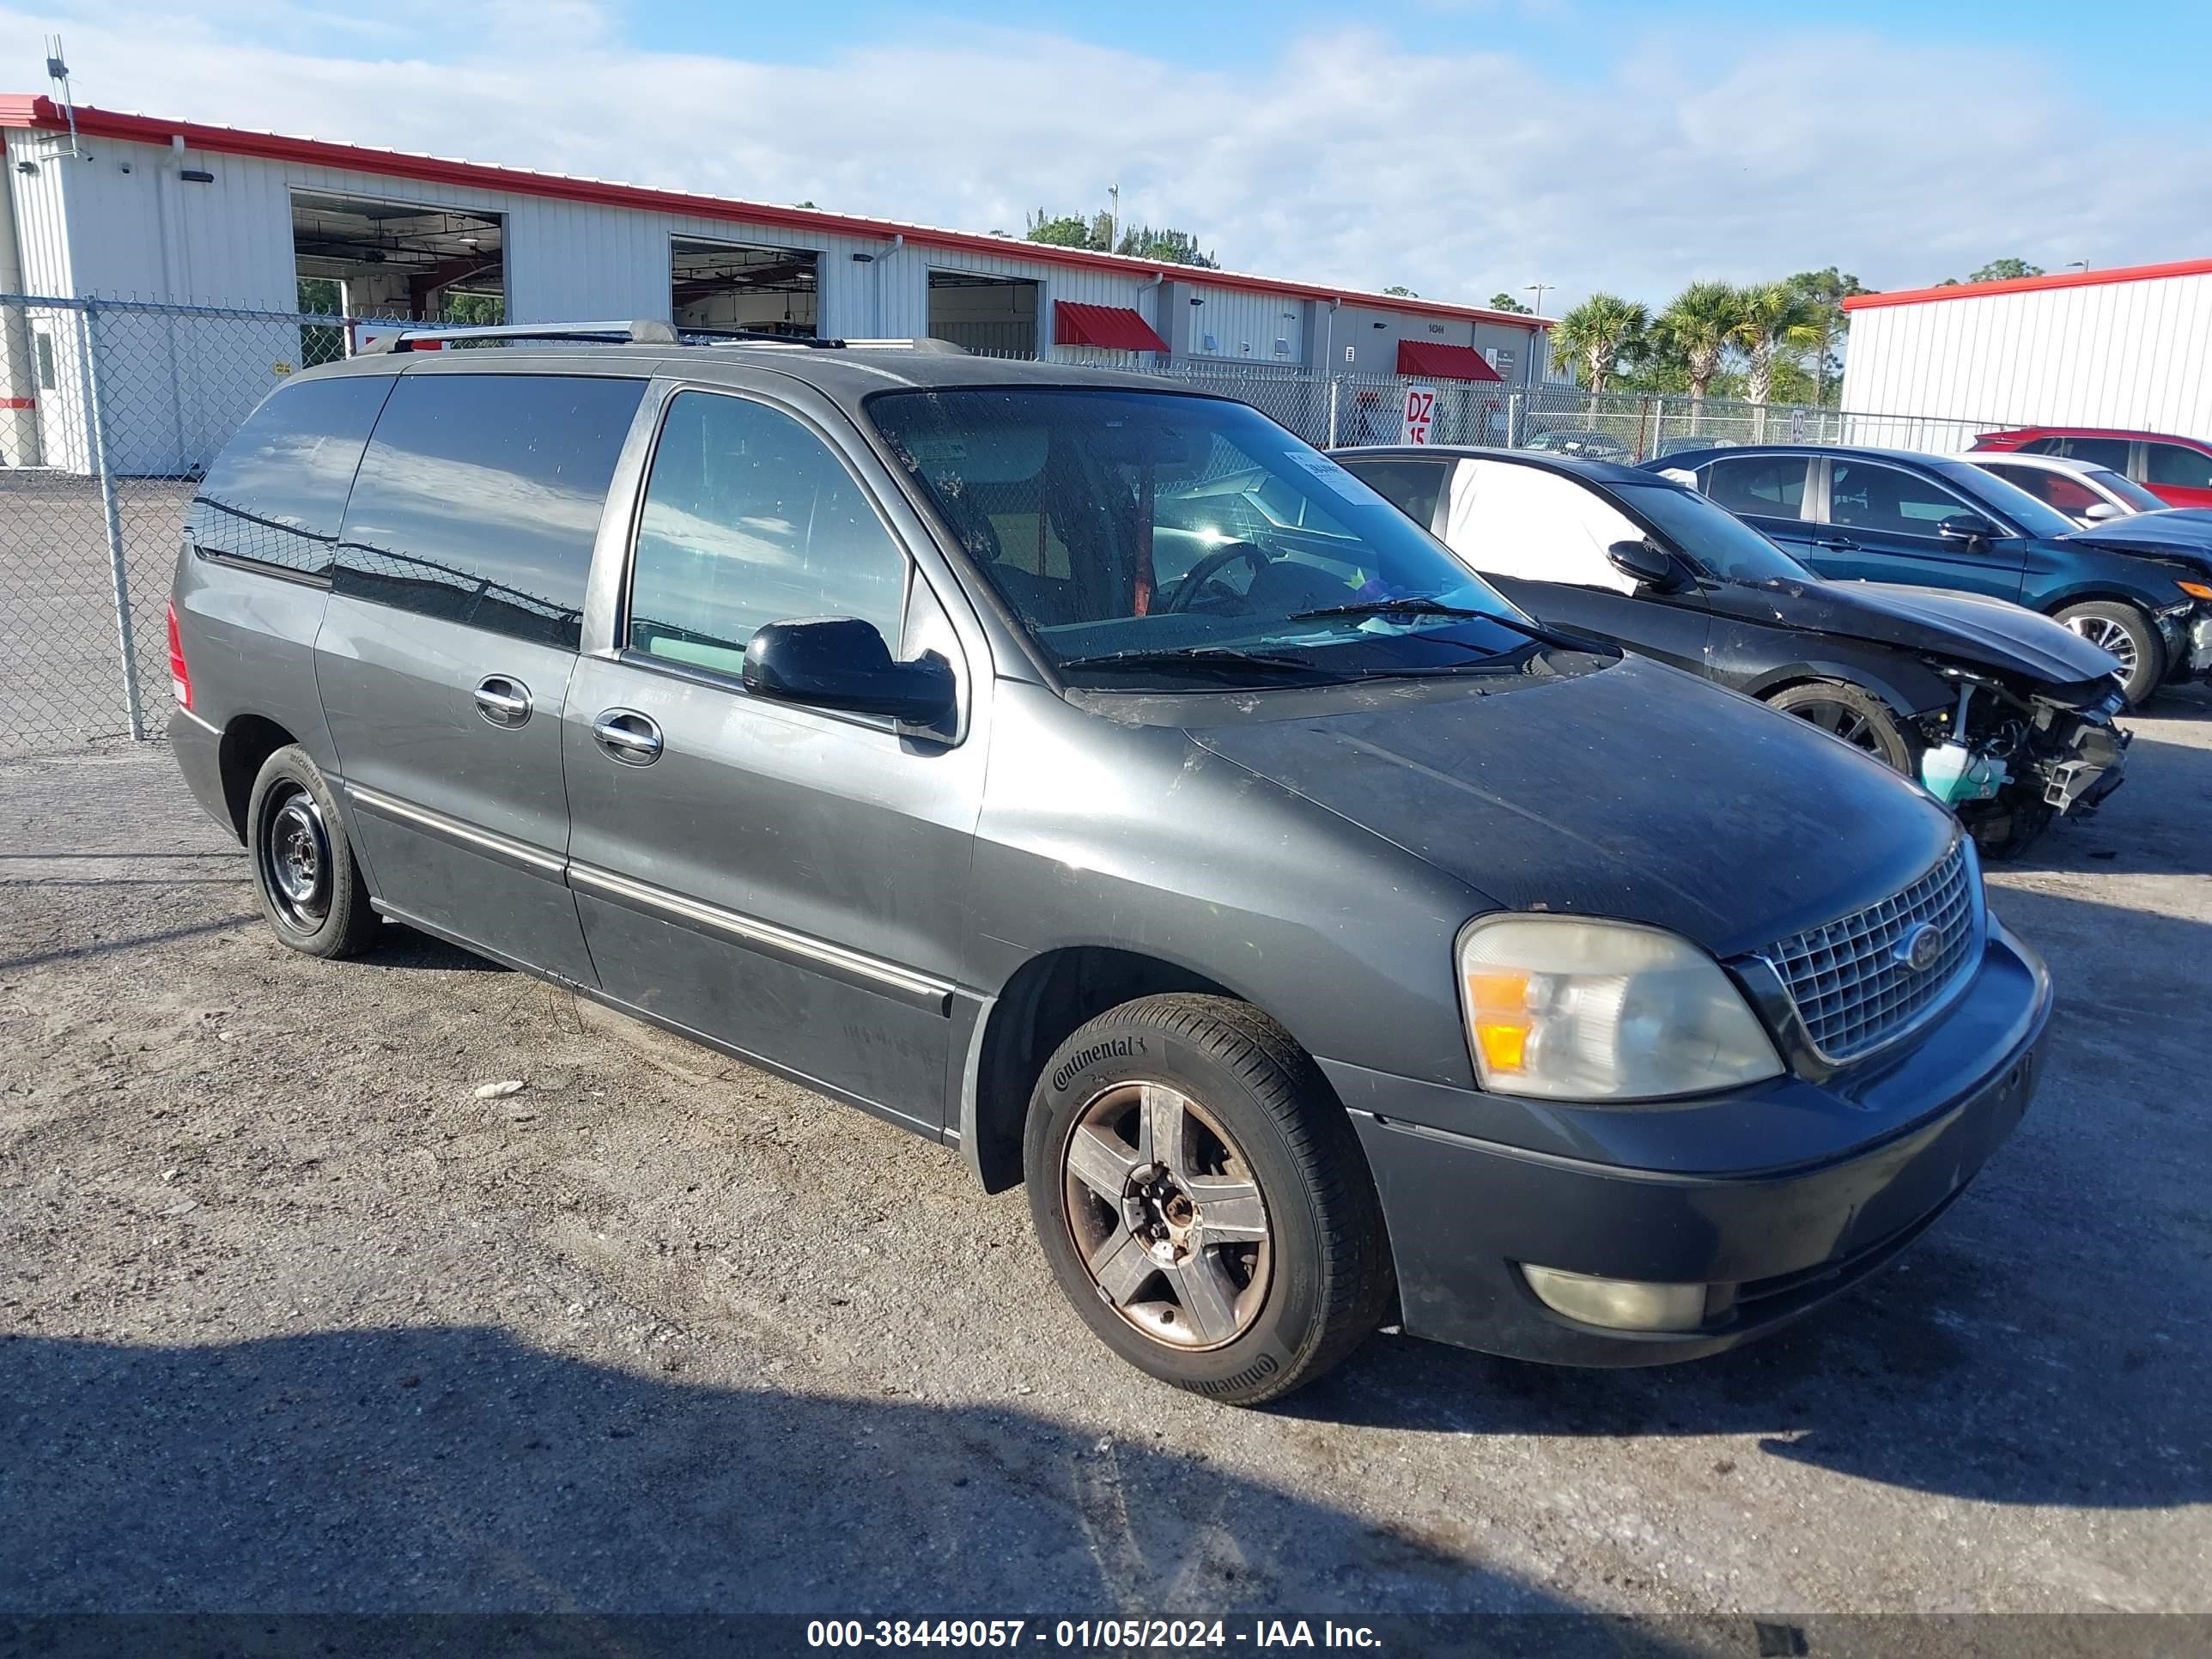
(2005, 716)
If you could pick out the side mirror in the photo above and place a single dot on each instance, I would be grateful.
(1967, 527)
(2103, 511)
(1648, 566)
(841, 662)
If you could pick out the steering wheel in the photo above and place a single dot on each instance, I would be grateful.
(1195, 579)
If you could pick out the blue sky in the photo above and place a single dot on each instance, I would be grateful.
(2134, 59)
(1460, 146)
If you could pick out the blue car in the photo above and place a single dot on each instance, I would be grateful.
(1889, 515)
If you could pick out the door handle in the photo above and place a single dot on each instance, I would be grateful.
(1837, 543)
(501, 700)
(629, 737)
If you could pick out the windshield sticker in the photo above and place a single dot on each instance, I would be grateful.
(1330, 474)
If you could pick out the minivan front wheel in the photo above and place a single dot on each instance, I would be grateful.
(1200, 1196)
(304, 873)
(2128, 634)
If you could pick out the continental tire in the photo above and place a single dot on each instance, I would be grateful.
(1201, 1198)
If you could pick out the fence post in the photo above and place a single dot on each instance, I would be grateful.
(1333, 384)
(1515, 402)
(95, 421)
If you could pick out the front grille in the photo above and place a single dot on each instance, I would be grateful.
(1846, 977)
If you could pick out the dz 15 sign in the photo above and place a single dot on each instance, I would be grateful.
(1420, 417)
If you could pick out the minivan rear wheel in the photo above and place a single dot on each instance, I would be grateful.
(304, 872)
(1859, 717)
(2128, 634)
(1201, 1198)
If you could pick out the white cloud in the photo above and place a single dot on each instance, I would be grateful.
(1348, 157)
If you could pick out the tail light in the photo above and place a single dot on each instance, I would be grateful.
(180, 677)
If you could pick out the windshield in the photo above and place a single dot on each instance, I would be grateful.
(2125, 488)
(1723, 545)
(1187, 538)
(2033, 517)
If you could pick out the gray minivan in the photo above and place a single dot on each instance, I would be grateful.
(1089, 775)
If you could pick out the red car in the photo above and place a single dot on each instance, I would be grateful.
(2177, 470)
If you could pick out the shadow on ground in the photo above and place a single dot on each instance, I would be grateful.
(452, 1468)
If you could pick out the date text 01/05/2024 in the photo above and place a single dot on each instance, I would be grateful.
(1118, 1634)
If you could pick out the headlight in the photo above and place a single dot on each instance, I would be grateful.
(1570, 1008)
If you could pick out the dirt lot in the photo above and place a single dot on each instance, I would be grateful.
(292, 1321)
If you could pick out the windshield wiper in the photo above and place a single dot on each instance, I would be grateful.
(1419, 606)
(1413, 605)
(1200, 659)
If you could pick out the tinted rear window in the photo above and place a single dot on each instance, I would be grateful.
(480, 496)
(1412, 487)
(277, 492)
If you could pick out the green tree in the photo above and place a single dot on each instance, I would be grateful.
(1597, 334)
(1825, 292)
(1697, 328)
(1070, 230)
(1773, 320)
(1402, 291)
(1170, 247)
(1997, 271)
(1502, 300)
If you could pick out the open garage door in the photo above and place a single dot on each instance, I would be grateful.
(743, 285)
(360, 257)
(991, 316)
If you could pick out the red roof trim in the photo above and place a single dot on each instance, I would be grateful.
(1107, 328)
(1450, 362)
(25, 110)
(1914, 296)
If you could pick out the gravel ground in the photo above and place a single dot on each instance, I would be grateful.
(290, 1319)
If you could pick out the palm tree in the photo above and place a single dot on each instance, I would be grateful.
(1771, 319)
(1598, 330)
(1698, 325)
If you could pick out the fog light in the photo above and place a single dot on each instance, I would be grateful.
(1619, 1304)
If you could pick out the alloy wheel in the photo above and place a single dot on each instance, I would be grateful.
(1849, 724)
(1166, 1216)
(2106, 632)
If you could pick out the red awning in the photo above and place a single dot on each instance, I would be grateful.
(1445, 362)
(1110, 328)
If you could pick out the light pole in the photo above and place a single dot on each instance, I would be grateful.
(2075, 264)
(1539, 289)
(1113, 218)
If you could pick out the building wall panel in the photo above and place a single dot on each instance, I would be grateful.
(2128, 354)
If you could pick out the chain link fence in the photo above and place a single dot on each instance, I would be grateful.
(110, 411)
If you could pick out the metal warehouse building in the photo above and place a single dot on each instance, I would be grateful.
(105, 205)
(2129, 347)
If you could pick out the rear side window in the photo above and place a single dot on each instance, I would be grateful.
(479, 498)
(277, 492)
(1866, 496)
(750, 519)
(1412, 487)
(2069, 495)
(1764, 486)
(2170, 464)
(2102, 452)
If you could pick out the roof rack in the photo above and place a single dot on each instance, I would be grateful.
(689, 335)
(643, 330)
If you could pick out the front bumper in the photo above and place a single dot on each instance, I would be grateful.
(2200, 643)
(1780, 1196)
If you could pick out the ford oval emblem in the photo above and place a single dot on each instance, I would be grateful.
(1921, 949)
